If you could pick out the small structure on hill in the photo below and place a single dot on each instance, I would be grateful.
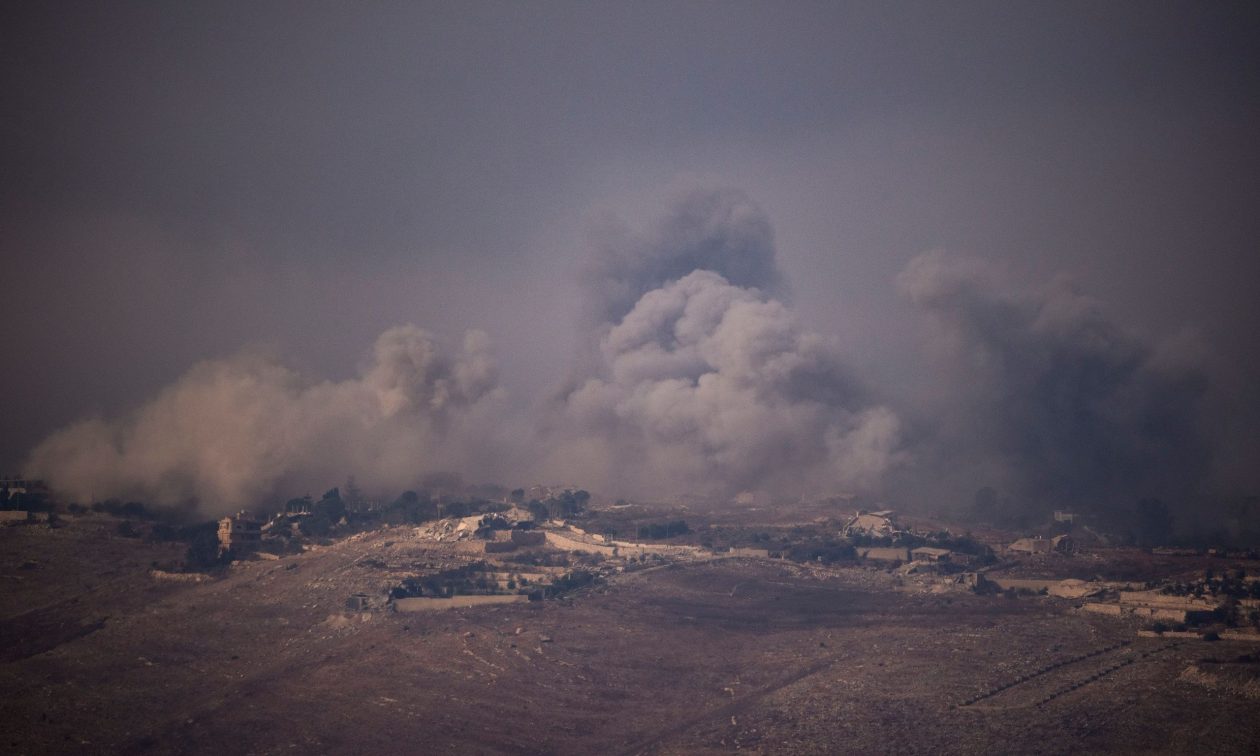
(360, 602)
(22, 493)
(930, 554)
(1057, 545)
(1158, 606)
(239, 532)
(880, 524)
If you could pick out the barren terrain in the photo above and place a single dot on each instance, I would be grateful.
(703, 656)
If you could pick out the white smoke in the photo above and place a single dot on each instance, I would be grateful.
(710, 387)
(695, 379)
(231, 431)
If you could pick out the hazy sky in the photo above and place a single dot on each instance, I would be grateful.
(183, 180)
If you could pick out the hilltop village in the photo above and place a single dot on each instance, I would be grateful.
(546, 620)
(523, 553)
(432, 552)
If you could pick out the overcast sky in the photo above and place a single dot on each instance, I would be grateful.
(179, 181)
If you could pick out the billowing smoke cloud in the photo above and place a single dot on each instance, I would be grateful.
(1043, 397)
(703, 383)
(235, 430)
(721, 230)
(694, 380)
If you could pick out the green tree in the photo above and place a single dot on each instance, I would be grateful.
(203, 546)
(353, 496)
(330, 506)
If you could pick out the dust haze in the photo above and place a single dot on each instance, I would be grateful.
(247, 428)
(691, 377)
(804, 251)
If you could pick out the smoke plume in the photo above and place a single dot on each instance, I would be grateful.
(721, 230)
(232, 431)
(1045, 398)
(702, 382)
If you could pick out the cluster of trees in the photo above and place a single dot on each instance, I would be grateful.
(202, 539)
(1230, 583)
(325, 514)
(132, 509)
(203, 546)
(826, 550)
(410, 508)
(571, 581)
(490, 523)
(471, 580)
(413, 507)
(865, 539)
(563, 506)
(659, 530)
(960, 544)
(462, 581)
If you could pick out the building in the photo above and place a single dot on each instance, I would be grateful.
(1068, 517)
(1039, 545)
(1154, 605)
(930, 554)
(23, 489)
(1030, 546)
(874, 524)
(239, 532)
(12, 486)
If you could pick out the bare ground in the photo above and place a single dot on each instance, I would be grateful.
(733, 654)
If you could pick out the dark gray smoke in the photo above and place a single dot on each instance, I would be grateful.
(1043, 397)
(721, 230)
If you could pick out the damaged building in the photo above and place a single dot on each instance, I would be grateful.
(1031, 546)
(882, 524)
(239, 532)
